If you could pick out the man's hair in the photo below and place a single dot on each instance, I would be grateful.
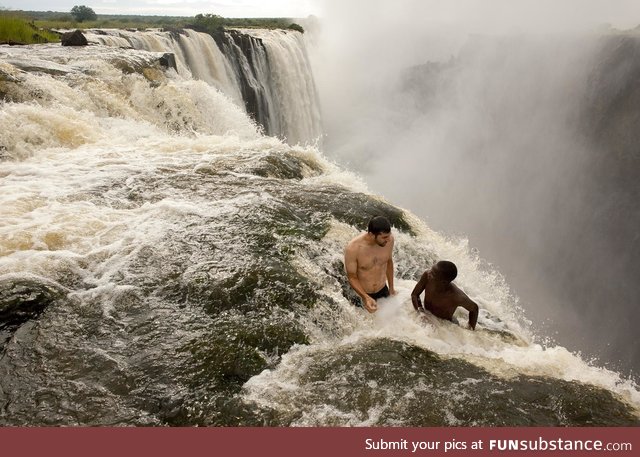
(379, 224)
(447, 270)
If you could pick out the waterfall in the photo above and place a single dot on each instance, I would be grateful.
(294, 92)
(253, 71)
(266, 71)
(163, 262)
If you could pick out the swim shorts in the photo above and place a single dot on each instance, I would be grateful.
(357, 301)
(382, 293)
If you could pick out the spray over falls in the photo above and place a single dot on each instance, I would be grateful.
(165, 261)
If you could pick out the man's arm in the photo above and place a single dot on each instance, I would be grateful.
(417, 290)
(351, 266)
(472, 307)
(392, 290)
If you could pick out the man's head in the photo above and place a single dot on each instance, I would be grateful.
(444, 271)
(380, 228)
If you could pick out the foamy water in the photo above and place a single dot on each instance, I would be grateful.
(149, 196)
(503, 343)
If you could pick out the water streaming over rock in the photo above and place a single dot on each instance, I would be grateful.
(268, 70)
(164, 262)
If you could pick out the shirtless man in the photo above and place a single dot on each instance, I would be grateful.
(368, 259)
(441, 296)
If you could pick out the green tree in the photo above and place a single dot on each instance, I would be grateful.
(209, 23)
(296, 27)
(83, 13)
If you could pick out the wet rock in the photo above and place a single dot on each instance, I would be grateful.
(39, 66)
(474, 396)
(168, 60)
(155, 76)
(75, 38)
(24, 298)
(9, 73)
(9, 82)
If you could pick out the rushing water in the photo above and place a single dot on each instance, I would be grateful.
(164, 262)
(268, 70)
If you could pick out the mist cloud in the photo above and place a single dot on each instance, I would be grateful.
(472, 115)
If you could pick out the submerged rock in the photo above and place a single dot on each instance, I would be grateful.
(437, 391)
(9, 80)
(24, 298)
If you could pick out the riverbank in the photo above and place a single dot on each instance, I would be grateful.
(31, 27)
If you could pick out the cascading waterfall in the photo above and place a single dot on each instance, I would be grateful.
(294, 94)
(164, 262)
(268, 70)
(253, 72)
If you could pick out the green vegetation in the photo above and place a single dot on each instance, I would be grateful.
(262, 23)
(18, 30)
(208, 23)
(83, 13)
(112, 22)
(296, 27)
(29, 27)
(212, 23)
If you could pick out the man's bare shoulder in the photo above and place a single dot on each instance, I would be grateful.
(459, 293)
(353, 246)
(356, 242)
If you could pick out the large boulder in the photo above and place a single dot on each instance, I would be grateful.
(75, 38)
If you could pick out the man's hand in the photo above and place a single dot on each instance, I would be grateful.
(392, 291)
(370, 304)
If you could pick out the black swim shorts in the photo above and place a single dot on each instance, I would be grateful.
(382, 293)
(357, 301)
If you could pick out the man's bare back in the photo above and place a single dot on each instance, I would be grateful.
(368, 260)
(441, 296)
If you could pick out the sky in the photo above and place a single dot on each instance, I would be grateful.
(225, 8)
(619, 13)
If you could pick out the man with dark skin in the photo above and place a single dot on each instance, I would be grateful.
(368, 260)
(441, 296)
